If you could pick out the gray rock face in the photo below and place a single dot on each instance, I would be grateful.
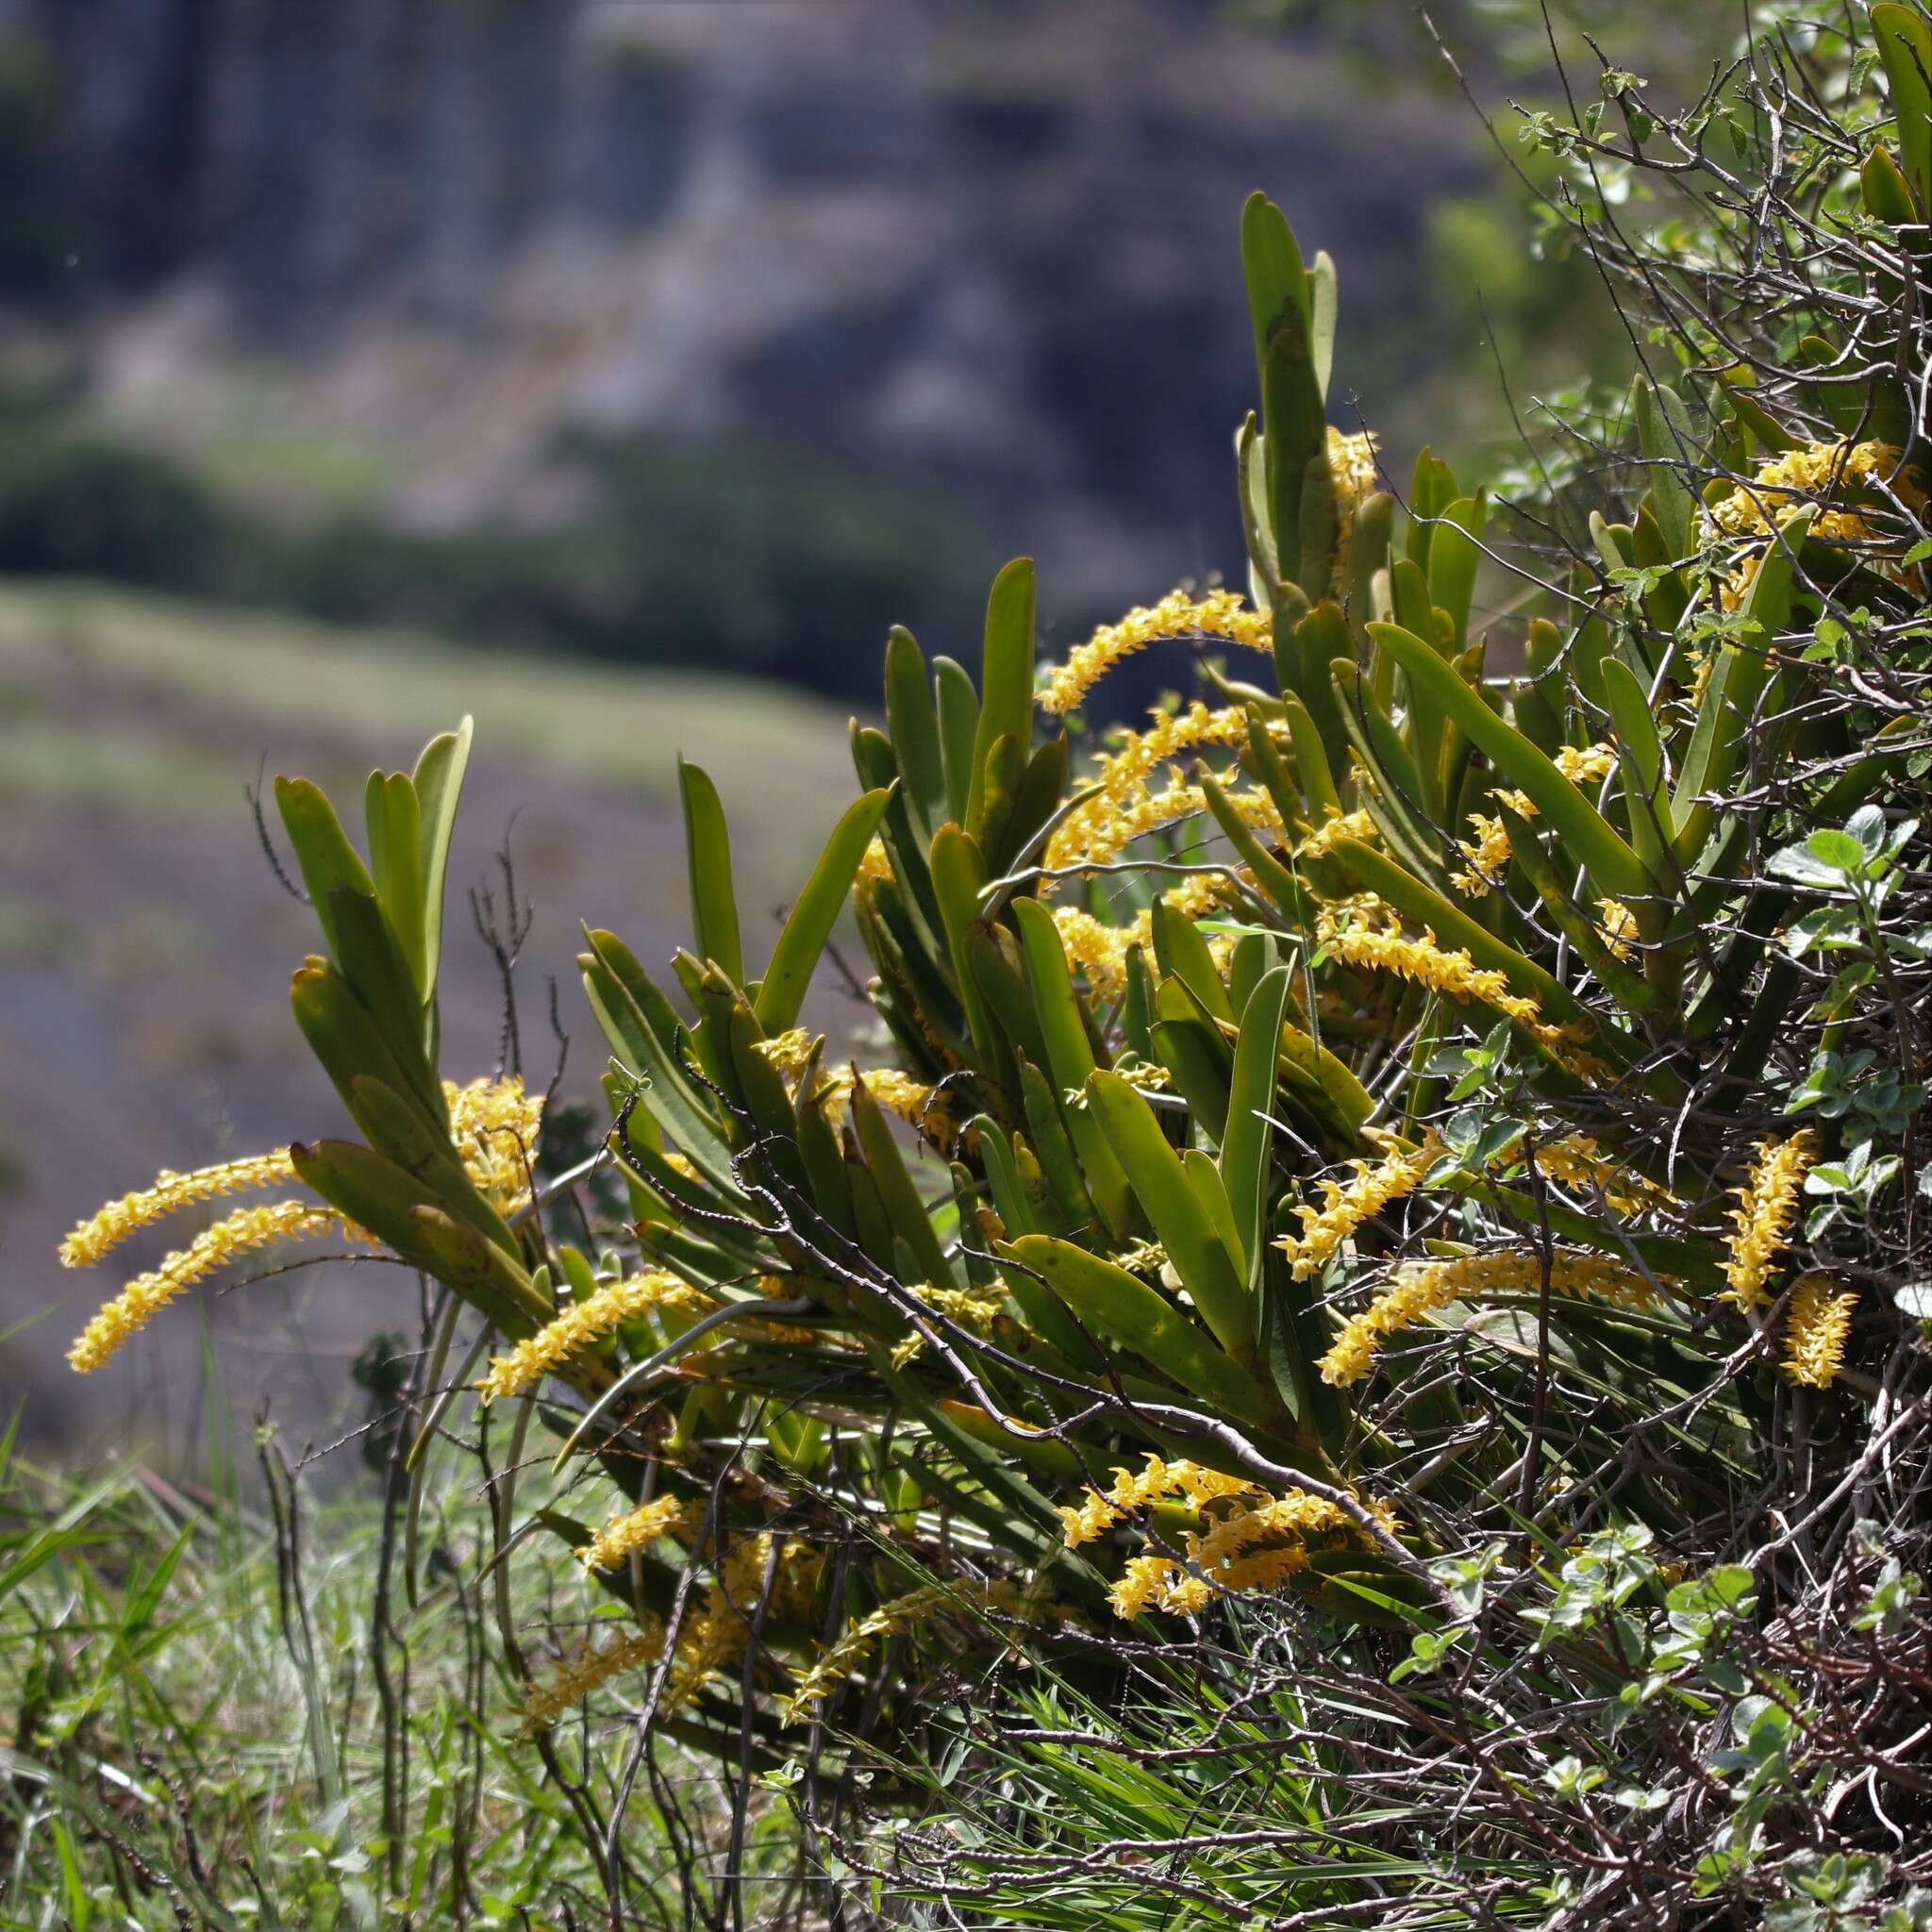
(984, 245)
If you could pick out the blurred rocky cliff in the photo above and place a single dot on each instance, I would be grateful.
(409, 260)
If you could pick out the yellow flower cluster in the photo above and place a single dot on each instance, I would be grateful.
(1618, 924)
(1349, 824)
(1351, 469)
(571, 1683)
(977, 1312)
(1101, 950)
(788, 1051)
(1365, 932)
(1102, 828)
(717, 1633)
(1580, 1163)
(1218, 615)
(583, 1323)
(633, 1529)
(169, 1194)
(1135, 753)
(1816, 1324)
(1489, 852)
(1767, 1204)
(214, 1247)
(875, 864)
(915, 1610)
(1344, 1208)
(1819, 472)
(1252, 1545)
(1095, 1514)
(1420, 1291)
(493, 1126)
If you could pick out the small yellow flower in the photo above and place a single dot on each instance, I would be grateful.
(1816, 1324)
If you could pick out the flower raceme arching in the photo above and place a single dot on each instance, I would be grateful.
(493, 1128)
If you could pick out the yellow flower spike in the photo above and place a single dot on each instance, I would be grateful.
(788, 1051)
(1099, 831)
(1419, 1292)
(1489, 852)
(1579, 1162)
(1352, 471)
(634, 1529)
(1322, 839)
(585, 1322)
(170, 1193)
(493, 1126)
(571, 1683)
(1218, 615)
(213, 1248)
(1767, 1204)
(836, 1663)
(1808, 475)
(1364, 932)
(1816, 1324)
(1346, 1207)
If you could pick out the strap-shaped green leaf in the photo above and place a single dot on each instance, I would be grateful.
(781, 992)
(1589, 838)
(1629, 987)
(438, 790)
(1323, 305)
(1455, 557)
(819, 1148)
(1321, 636)
(323, 851)
(1736, 682)
(1070, 1058)
(1274, 877)
(1454, 928)
(1393, 800)
(1251, 1099)
(1667, 440)
(347, 1041)
(397, 1131)
(1642, 765)
(912, 721)
(1124, 1309)
(958, 706)
(395, 820)
(958, 875)
(1321, 799)
(1431, 490)
(897, 1196)
(1005, 682)
(1905, 45)
(708, 865)
(1368, 558)
(1055, 1147)
(1193, 1243)
(1181, 951)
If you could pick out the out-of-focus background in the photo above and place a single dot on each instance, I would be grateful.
(617, 370)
